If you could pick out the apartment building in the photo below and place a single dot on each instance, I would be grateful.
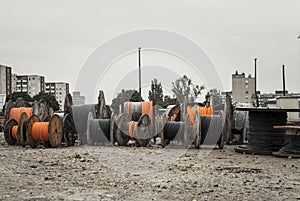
(59, 90)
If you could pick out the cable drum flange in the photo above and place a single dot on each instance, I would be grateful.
(80, 115)
(22, 129)
(211, 130)
(98, 130)
(121, 137)
(8, 131)
(45, 133)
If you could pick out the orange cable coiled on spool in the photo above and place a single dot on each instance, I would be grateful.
(132, 128)
(205, 111)
(147, 108)
(15, 113)
(191, 112)
(14, 133)
(40, 131)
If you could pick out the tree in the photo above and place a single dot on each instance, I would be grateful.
(184, 88)
(16, 95)
(136, 97)
(49, 98)
(155, 94)
(169, 101)
(124, 96)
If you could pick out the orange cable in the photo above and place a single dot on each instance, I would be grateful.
(14, 133)
(40, 131)
(15, 113)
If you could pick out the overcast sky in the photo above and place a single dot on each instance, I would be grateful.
(55, 38)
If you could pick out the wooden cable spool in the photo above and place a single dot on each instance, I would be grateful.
(197, 130)
(22, 129)
(10, 137)
(136, 109)
(20, 102)
(43, 110)
(291, 147)
(68, 104)
(69, 130)
(121, 138)
(14, 132)
(162, 136)
(15, 113)
(144, 130)
(98, 130)
(69, 134)
(46, 133)
(8, 105)
(127, 130)
(221, 141)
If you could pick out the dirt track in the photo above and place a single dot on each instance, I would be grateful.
(124, 173)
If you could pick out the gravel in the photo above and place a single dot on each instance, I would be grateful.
(153, 173)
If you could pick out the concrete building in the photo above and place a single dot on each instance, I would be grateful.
(242, 87)
(290, 102)
(5, 80)
(77, 99)
(59, 90)
(30, 84)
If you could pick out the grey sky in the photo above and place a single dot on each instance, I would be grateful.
(54, 38)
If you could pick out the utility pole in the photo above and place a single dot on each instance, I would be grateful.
(283, 79)
(140, 76)
(255, 89)
(255, 82)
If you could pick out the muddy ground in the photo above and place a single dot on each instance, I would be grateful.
(128, 173)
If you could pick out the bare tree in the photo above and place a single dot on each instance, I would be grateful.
(184, 88)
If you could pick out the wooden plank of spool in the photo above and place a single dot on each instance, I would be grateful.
(187, 133)
(290, 130)
(31, 121)
(55, 131)
(118, 136)
(112, 125)
(20, 102)
(144, 121)
(69, 131)
(22, 130)
(89, 139)
(8, 131)
(228, 117)
(197, 130)
(162, 136)
(221, 141)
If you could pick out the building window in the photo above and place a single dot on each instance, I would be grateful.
(246, 92)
